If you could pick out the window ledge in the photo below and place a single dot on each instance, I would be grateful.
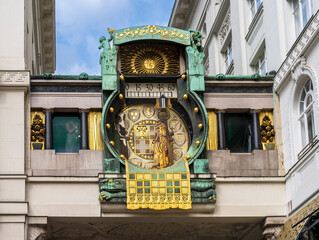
(255, 21)
(303, 156)
(308, 148)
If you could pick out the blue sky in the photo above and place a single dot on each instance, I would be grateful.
(80, 23)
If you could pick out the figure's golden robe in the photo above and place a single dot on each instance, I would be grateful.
(161, 145)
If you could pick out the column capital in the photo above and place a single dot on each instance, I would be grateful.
(86, 110)
(255, 110)
(220, 110)
(48, 110)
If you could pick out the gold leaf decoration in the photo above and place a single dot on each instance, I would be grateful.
(37, 129)
(149, 59)
(152, 30)
(267, 131)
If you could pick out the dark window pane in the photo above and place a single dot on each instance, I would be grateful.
(303, 94)
(301, 107)
(310, 125)
(238, 132)
(66, 134)
(309, 100)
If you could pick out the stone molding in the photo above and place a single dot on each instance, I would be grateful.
(302, 43)
(14, 78)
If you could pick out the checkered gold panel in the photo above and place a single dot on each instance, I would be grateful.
(158, 191)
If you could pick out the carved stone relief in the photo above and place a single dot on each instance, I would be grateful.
(271, 233)
(224, 29)
(37, 232)
(298, 68)
(149, 230)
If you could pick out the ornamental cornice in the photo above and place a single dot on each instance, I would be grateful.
(14, 79)
(301, 45)
(46, 22)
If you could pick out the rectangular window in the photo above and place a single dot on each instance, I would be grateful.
(66, 133)
(260, 66)
(238, 132)
(254, 6)
(301, 13)
(228, 56)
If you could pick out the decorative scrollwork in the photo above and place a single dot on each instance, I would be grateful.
(152, 30)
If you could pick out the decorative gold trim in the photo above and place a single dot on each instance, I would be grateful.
(152, 30)
(291, 229)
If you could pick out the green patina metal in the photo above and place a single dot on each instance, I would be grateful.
(203, 190)
(151, 32)
(253, 77)
(201, 166)
(114, 190)
(108, 59)
(195, 69)
(82, 76)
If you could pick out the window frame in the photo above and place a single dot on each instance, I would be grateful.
(260, 62)
(254, 7)
(78, 132)
(298, 14)
(303, 114)
(228, 56)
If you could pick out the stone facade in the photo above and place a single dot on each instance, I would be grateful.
(50, 195)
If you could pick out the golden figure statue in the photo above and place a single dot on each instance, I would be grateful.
(161, 146)
(162, 143)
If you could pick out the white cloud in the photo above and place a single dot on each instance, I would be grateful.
(80, 23)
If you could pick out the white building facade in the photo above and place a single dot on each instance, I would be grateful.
(276, 37)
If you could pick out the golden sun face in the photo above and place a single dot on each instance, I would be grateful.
(149, 64)
(150, 59)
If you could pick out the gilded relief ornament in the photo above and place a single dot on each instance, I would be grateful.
(178, 153)
(37, 129)
(180, 139)
(175, 125)
(134, 115)
(148, 111)
(152, 30)
(267, 130)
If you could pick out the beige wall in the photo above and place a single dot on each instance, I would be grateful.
(13, 208)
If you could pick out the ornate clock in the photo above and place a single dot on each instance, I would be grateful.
(154, 122)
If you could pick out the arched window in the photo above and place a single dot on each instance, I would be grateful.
(306, 113)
